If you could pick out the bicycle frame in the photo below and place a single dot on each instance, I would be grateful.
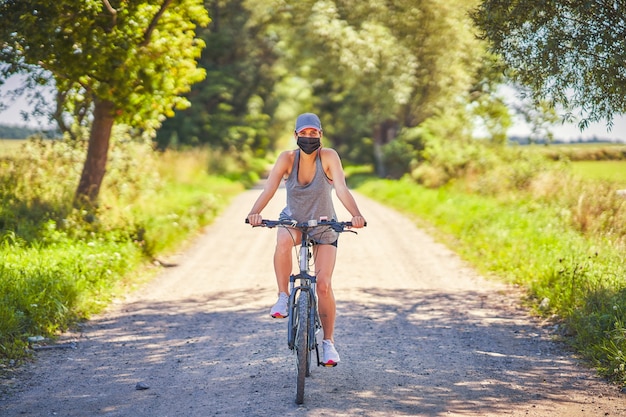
(306, 282)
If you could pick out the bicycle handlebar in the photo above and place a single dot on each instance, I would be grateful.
(336, 226)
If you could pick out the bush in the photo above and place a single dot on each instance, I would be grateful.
(453, 159)
(58, 264)
(398, 156)
(237, 166)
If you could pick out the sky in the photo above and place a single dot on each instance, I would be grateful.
(567, 132)
(571, 132)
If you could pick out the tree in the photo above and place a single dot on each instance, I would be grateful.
(111, 61)
(361, 74)
(376, 67)
(231, 108)
(570, 53)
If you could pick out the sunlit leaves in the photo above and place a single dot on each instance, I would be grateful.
(572, 53)
(140, 55)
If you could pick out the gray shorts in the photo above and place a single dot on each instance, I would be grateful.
(322, 235)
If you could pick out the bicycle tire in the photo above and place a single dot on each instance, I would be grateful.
(302, 345)
(292, 322)
(312, 313)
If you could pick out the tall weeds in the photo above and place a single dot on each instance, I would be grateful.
(530, 221)
(59, 264)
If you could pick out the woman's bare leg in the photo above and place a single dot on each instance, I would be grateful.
(282, 257)
(325, 256)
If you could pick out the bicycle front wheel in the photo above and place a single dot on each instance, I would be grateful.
(302, 345)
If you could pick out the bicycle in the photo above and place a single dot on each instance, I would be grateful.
(304, 324)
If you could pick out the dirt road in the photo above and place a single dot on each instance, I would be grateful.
(419, 333)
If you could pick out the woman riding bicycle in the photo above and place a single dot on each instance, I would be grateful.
(310, 174)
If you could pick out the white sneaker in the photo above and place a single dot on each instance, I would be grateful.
(280, 310)
(330, 357)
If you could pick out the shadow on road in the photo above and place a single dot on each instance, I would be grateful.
(404, 352)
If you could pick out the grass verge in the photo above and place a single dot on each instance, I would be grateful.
(570, 277)
(59, 265)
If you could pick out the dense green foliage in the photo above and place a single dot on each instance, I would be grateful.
(387, 79)
(533, 223)
(368, 69)
(231, 108)
(139, 55)
(571, 53)
(59, 264)
(111, 61)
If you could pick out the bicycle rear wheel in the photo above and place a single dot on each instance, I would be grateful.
(303, 353)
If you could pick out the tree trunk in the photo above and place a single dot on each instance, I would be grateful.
(97, 154)
(384, 133)
(379, 159)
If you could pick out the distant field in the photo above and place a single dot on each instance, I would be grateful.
(584, 151)
(9, 147)
(607, 170)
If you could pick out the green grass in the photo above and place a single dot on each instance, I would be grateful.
(59, 265)
(530, 242)
(604, 170)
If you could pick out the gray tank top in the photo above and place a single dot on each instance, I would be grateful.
(310, 201)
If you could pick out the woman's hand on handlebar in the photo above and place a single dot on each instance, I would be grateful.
(255, 219)
(358, 222)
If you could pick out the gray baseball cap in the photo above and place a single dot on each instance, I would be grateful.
(308, 120)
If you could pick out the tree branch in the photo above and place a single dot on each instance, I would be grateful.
(153, 23)
(111, 10)
(58, 114)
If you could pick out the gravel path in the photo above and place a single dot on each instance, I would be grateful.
(418, 331)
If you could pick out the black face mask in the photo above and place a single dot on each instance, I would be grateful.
(308, 145)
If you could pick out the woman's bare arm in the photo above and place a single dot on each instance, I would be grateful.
(341, 188)
(279, 170)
